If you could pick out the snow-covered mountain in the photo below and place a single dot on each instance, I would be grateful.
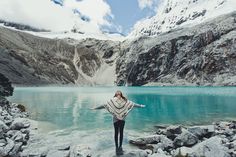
(172, 14)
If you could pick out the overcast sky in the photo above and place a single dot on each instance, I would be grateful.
(109, 15)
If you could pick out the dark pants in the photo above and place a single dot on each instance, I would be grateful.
(119, 128)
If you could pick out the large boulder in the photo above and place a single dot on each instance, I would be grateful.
(154, 139)
(173, 131)
(6, 88)
(185, 139)
(20, 123)
(202, 131)
(209, 148)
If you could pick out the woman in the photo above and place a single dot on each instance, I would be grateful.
(119, 107)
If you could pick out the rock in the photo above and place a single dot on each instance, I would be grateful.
(81, 151)
(20, 123)
(6, 88)
(11, 133)
(18, 137)
(210, 148)
(3, 142)
(182, 151)
(40, 152)
(224, 125)
(172, 131)
(3, 127)
(63, 146)
(185, 139)
(154, 139)
(159, 155)
(56, 153)
(7, 148)
(136, 153)
(202, 131)
(15, 151)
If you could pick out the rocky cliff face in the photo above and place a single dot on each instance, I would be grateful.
(201, 55)
(204, 54)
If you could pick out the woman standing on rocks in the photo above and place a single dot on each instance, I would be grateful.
(119, 107)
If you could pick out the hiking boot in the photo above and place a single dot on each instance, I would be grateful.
(121, 151)
(117, 151)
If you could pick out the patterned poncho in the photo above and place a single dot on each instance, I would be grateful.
(119, 107)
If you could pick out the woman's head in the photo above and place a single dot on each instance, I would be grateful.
(119, 95)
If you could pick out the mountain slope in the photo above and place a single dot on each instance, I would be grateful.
(203, 54)
(32, 60)
(178, 13)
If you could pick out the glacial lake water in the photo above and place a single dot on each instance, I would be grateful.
(68, 107)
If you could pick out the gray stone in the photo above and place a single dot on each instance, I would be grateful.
(135, 153)
(20, 123)
(39, 152)
(185, 139)
(210, 148)
(10, 145)
(3, 142)
(202, 131)
(63, 146)
(56, 153)
(153, 139)
(172, 131)
(6, 88)
(16, 149)
(18, 137)
(3, 127)
(11, 133)
(184, 151)
(81, 151)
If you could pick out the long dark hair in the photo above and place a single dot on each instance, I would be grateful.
(121, 95)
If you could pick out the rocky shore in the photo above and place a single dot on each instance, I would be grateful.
(216, 140)
(14, 132)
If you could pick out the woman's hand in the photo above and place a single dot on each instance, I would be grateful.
(142, 106)
(92, 108)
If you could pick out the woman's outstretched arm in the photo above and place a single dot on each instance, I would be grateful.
(139, 105)
(98, 108)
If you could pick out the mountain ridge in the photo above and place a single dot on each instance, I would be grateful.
(173, 14)
(200, 55)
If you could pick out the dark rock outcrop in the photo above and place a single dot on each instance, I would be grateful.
(6, 88)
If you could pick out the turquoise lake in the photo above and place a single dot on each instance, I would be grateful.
(68, 107)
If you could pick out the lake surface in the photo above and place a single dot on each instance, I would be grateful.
(68, 107)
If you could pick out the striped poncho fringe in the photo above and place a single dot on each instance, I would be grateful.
(119, 107)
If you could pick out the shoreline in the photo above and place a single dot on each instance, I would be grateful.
(163, 140)
(150, 84)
